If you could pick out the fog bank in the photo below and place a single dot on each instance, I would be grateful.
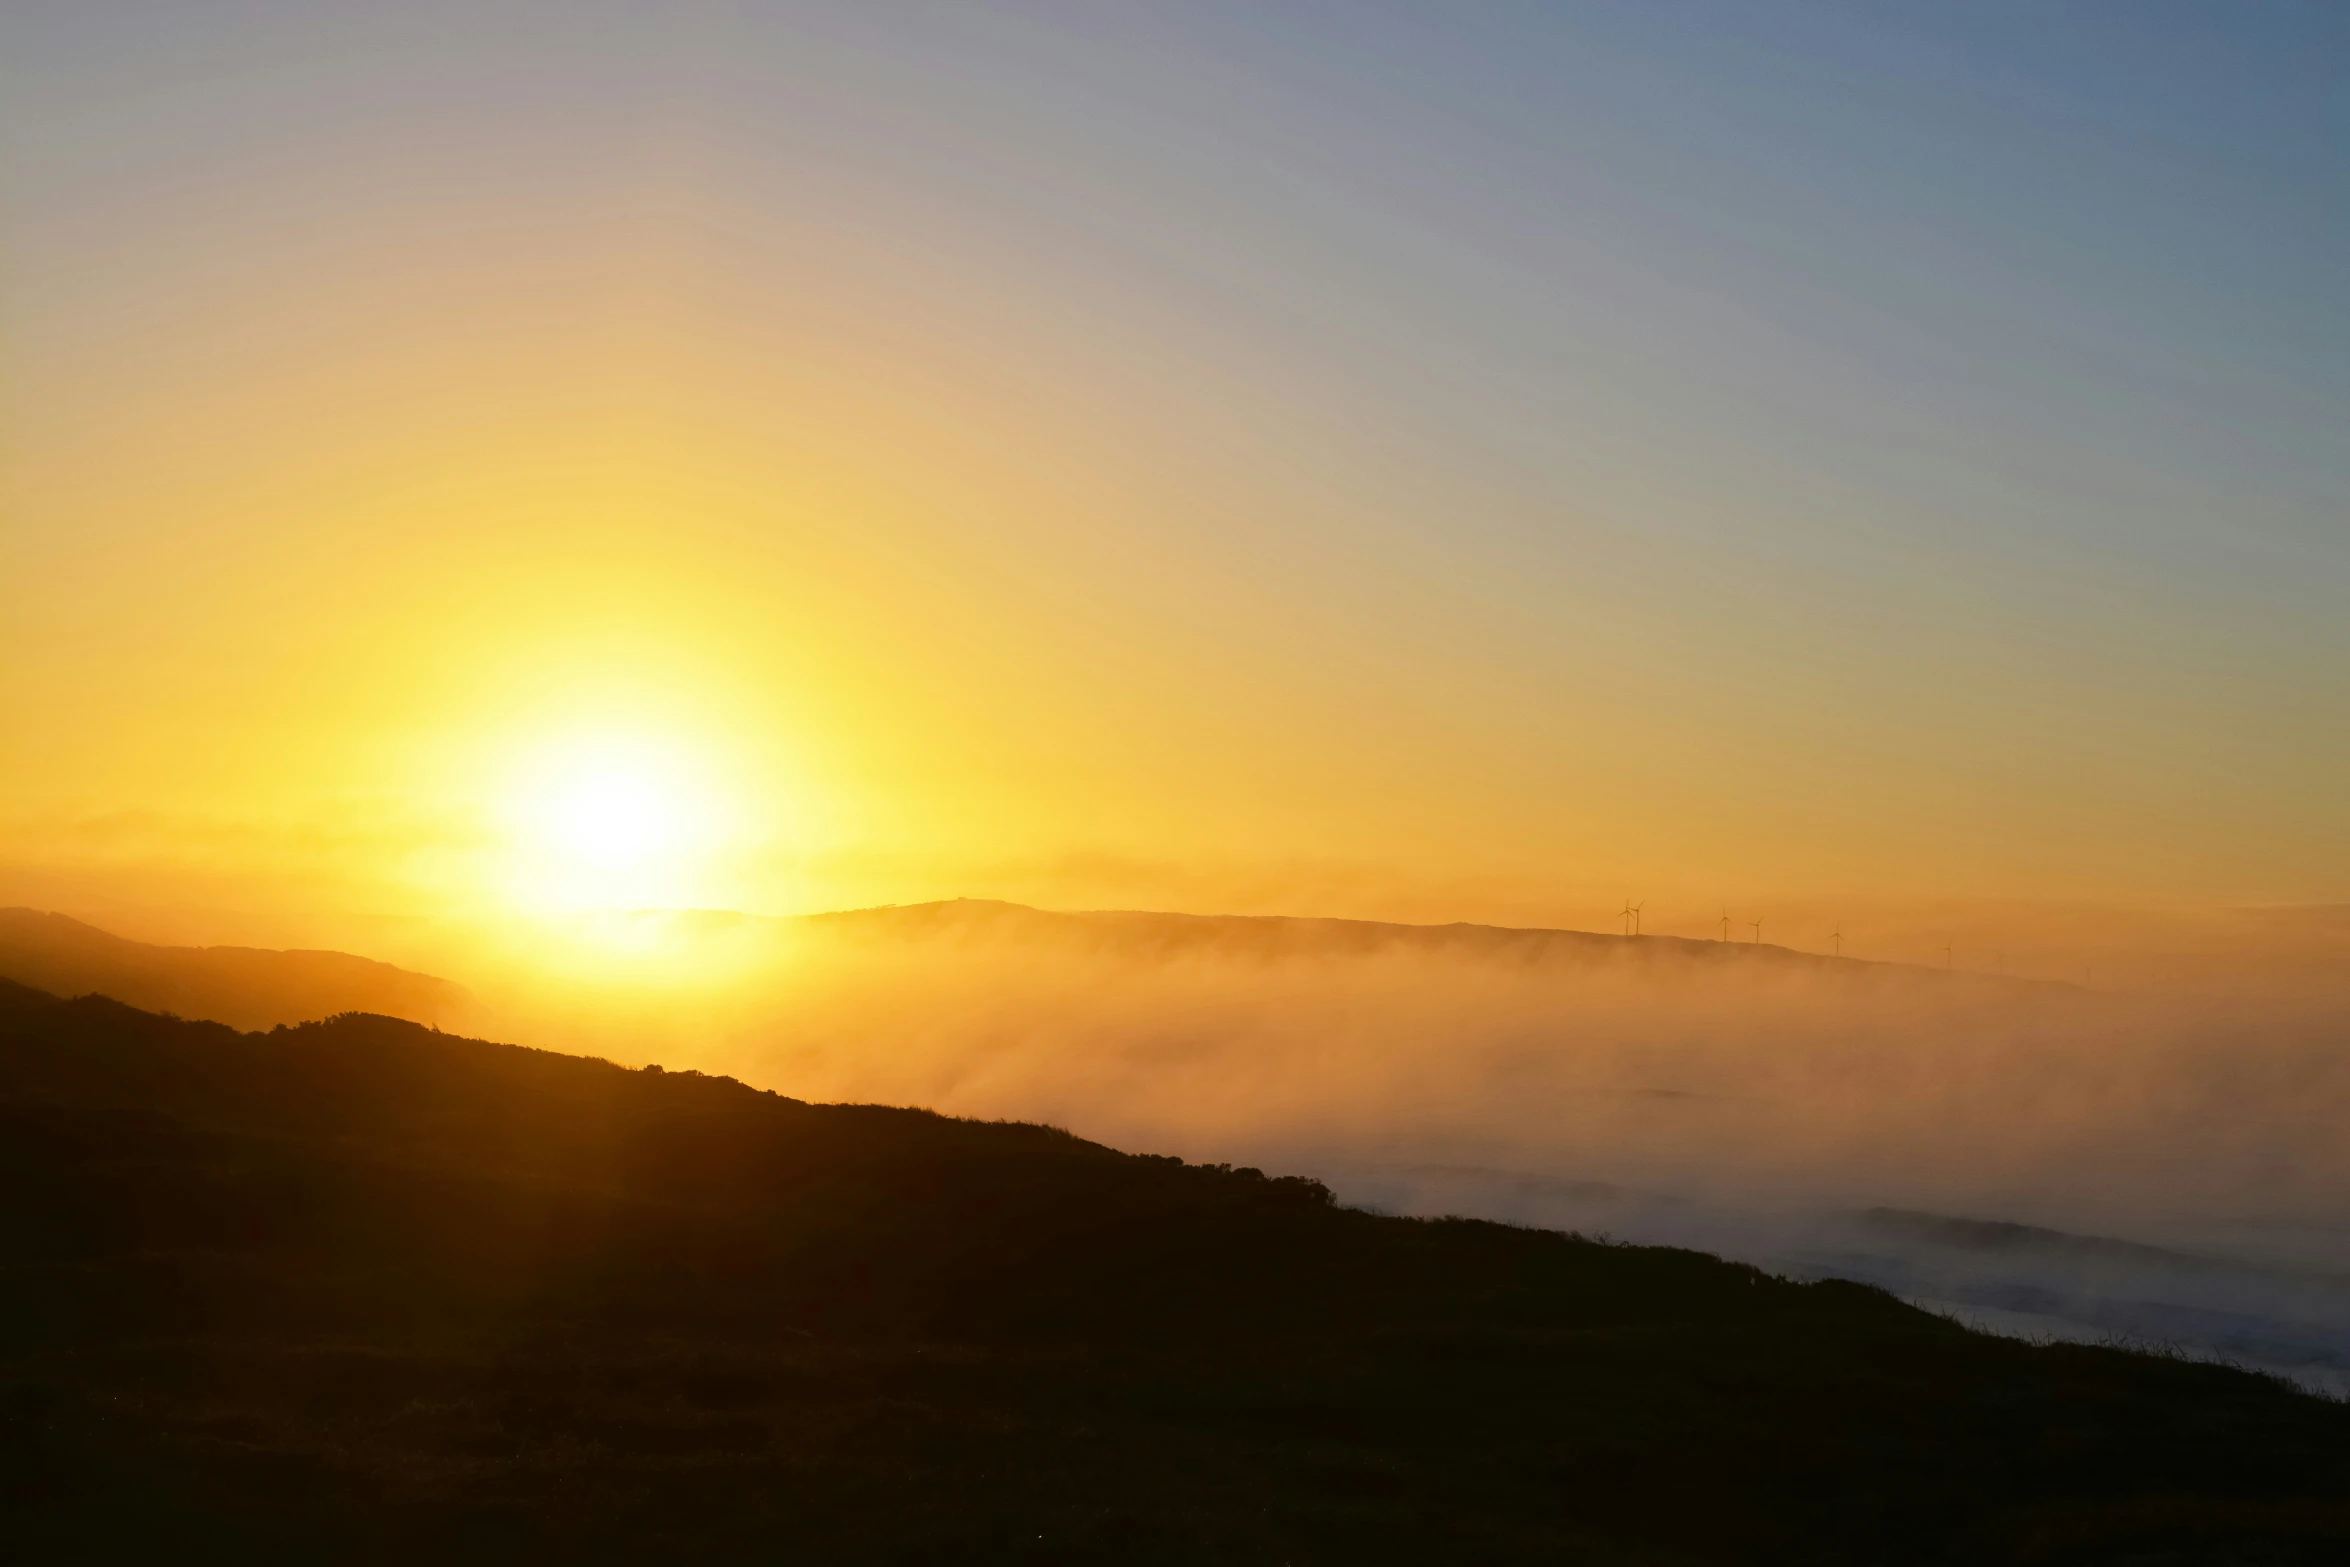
(1736, 1096)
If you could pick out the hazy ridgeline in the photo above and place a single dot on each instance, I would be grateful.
(1745, 1099)
(242, 986)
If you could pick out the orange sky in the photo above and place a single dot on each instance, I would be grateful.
(871, 465)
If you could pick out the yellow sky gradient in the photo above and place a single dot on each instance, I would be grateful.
(355, 489)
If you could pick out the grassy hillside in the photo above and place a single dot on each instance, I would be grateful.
(361, 1292)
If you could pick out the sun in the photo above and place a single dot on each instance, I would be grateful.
(614, 819)
(610, 821)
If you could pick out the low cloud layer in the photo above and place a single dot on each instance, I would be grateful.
(1708, 1069)
(1745, 1099)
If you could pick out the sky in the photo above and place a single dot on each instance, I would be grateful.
(1441, 462)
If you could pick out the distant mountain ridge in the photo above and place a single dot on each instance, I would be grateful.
(252, 987)
(1275, 936)
(244, 987)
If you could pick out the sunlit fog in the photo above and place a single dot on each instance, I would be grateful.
(1816, 1114)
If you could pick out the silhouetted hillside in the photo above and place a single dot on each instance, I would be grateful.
(245, 987)
(361, 1292)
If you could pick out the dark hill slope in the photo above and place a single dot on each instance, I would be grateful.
(247, 987)
(360, 1292)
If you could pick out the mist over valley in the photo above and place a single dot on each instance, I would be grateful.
(2034, 1157)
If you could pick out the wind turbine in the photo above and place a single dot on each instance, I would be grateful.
(1636, 908)
(1725, 924)
(1757, 924)
(1626, 914)
(1837, 936)
(1946, 957)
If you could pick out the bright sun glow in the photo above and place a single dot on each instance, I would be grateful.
(614, 820)
(610, 822)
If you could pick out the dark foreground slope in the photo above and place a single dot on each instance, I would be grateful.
(359, 1292)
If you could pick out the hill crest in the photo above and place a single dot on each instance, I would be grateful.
(245, 987)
